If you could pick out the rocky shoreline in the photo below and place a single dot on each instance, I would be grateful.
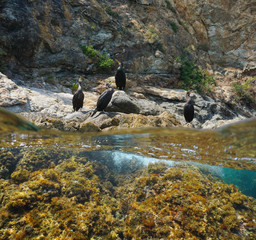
(50, 106)
(42, 55)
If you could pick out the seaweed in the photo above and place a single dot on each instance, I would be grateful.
(74, 198)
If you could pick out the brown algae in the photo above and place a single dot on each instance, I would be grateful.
(75, 198)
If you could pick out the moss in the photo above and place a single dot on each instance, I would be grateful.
(152, 35)
(169, 6)
(111, 12)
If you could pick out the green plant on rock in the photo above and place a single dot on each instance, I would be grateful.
(174, 27)
(90, 51)
(195, 78)
(74, 87)
(103, 61)
(243, 91)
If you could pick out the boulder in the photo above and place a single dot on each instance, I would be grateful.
(140, 121)
(89, 127)
(121, 102)
(10, 93)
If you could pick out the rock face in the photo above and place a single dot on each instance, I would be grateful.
(147, 36)
(226, 29)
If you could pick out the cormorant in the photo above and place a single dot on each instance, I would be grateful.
(78, 98)
(188, 108)
(104, 99)
(120, 77)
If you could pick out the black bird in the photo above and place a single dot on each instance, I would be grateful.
(188, 108)
(120, 77)
(78, 98)
(104, 99)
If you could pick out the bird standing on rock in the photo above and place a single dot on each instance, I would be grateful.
(120, 77)
(104, 99)
(78, 98)
(188, 108)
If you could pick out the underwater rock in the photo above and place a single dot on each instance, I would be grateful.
(8, 162)
(38, 158)
(20, 176)
(82, 199)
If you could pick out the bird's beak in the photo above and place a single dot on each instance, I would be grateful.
(117, 61)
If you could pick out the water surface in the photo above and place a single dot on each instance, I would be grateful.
(228, 153)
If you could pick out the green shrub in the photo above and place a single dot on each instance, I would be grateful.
(74, 87)
(105, 62)
(185, 25)
(174, 27)
(102, 61)
(242, 91)
(195, 78)
(89, 51)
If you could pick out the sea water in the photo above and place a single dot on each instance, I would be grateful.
(228, 153)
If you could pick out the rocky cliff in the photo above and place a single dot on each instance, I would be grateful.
(43, 44)
(148, 35)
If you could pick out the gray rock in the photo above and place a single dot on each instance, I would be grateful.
(148, 107)
(121, 102)
(10, 93)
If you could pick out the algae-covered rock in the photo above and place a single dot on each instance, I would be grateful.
(140, 121)
(80, 199)
(38, 158)
(8, 162)
(89, 127)
(20, 176)
(180, 203)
